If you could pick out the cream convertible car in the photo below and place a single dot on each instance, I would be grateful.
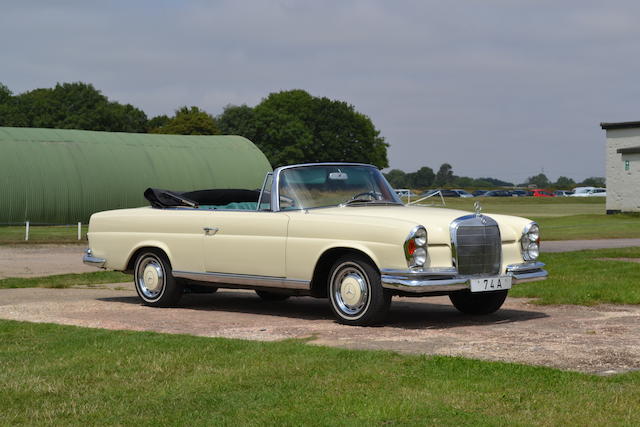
(329, 230)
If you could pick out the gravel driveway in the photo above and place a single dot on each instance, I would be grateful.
(603, 339)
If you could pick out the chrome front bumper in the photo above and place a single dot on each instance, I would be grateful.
(436, 280)
(89, 259)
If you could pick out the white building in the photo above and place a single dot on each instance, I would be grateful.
(623, 166)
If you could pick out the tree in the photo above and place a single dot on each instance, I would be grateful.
(564, 182)
(238, 120)
(189, 121)
(5, 94)
(494, 182)
(540, 180)
(422, 178)
(295, 127)
(71, 106)
(594, 181)
(158, 121)
(397, 178)
(463, 181)
(444, 176)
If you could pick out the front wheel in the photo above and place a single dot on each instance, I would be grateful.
(356, 293)
(154, 282)
(478, 302)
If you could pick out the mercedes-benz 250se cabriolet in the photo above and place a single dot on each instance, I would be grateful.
(327, 230)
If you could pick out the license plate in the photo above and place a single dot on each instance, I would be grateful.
(489, 284)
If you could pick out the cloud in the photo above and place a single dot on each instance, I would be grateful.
(500, 88)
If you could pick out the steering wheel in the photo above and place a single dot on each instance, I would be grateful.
(374, 196)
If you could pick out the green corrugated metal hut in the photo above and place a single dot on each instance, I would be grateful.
(60, 176)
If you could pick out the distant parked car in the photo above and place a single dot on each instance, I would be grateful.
(479, 193)
(497, 193)
(520, 193)
(542, 193)
(463, 193)
(589, 192)
(562, 193)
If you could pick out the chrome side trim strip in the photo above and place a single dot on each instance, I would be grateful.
(244, 280)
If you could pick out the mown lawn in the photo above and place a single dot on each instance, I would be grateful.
(560, 218)
(54, 375)
(581, 278)
(55, 234)
(65, 280)
(531, 206)
(587, 227)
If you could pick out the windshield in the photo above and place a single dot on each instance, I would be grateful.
(307, 187)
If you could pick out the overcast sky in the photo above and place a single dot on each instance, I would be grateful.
(496, 88)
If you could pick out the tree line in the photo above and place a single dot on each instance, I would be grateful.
(289, 126)
(425, 177)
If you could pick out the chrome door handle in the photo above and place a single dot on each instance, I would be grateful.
(210, 231)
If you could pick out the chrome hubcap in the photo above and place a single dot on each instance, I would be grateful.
(150, 277)
(350, 289)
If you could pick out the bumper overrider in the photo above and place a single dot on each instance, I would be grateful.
(89, 259)
(436, 280)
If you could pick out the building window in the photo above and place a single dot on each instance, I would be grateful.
(626, 165)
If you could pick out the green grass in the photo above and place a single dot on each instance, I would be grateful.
(530, 206)
(580, 278)
(54, 375)
(587, 227)
(561, 218)
(65, 280)
(42, 234)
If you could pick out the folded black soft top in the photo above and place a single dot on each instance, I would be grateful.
(160, 198)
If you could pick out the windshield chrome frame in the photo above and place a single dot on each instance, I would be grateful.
(275, 186)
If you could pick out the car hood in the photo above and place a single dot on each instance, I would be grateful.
(436, 220)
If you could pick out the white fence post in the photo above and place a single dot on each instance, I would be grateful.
(79, 231)
(26, 232)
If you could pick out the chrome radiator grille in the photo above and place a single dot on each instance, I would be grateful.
(476, 244)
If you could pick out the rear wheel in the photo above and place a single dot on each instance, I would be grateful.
(272, 296)
(356, 293)
(478, 302)
(154, 282)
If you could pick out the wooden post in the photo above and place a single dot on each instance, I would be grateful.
(79, 231)
(26, 232)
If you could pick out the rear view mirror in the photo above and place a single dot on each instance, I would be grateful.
(338, 176)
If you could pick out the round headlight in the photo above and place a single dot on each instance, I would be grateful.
(419, 257)
(533, 251)
(533, 233)
(420, 237)
(530, 242)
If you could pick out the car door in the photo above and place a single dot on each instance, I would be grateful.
(246, 243)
